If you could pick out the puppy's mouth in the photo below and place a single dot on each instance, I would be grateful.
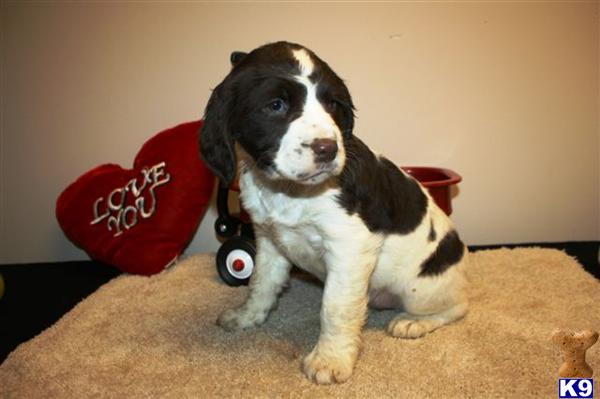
(314, 178)
(322, 173)
(308, 176)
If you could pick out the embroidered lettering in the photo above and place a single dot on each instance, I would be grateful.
(123, 207)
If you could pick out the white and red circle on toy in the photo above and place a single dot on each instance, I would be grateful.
(239, 264)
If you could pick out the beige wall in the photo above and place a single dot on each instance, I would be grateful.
(506, 94)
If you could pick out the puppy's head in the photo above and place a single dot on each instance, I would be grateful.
(286, 109)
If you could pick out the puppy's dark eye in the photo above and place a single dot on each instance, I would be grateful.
(276, 107)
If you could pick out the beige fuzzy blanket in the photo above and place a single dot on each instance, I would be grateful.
(140, 337)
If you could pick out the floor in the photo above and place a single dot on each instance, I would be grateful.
(37, 295)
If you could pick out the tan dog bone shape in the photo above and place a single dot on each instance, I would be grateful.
(573, 346)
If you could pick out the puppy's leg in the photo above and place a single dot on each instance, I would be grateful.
(407, 325)
(271, 272)
(343, 315)
(430, 304)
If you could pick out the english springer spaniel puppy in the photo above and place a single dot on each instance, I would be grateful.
(320, 199)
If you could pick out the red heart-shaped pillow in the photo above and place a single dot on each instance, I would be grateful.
(140, 219)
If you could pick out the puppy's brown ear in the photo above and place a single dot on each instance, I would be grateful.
(348, 118)
(236, 57)
(216, 143)
(346, 108)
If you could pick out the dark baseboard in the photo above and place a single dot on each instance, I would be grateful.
(37, 295)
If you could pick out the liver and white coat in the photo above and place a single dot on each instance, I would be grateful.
(282, 121)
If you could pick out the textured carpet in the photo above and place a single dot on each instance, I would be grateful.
(156, 337)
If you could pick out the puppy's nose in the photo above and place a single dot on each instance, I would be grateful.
(325, 149)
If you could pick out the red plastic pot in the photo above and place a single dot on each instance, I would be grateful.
(438, 182)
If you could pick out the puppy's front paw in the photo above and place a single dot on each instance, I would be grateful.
(229, 320)
(324, 369)
(239, 319)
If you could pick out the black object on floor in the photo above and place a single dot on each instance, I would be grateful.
(37, 295)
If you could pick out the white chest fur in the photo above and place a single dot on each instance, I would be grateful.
(296, 223)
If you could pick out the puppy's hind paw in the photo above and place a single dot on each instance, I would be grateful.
(324, 370)
(405, 327)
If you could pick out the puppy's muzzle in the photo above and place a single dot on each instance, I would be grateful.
(325, 150)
